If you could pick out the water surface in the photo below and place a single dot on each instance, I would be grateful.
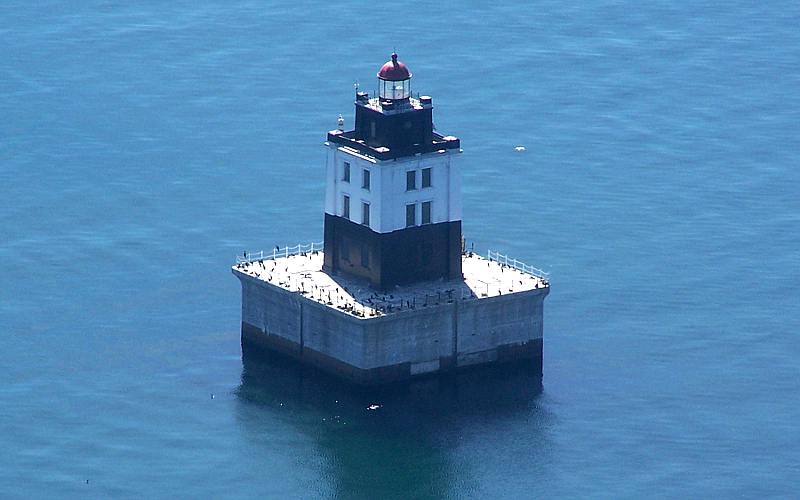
(143, 145)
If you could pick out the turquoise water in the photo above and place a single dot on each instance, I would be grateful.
(143, 145)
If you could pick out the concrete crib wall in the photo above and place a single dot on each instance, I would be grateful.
(488, 324)
(272, 310)
(397, 345)
(332, 334)
(420, 336)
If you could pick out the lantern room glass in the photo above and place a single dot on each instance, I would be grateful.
(395, 90)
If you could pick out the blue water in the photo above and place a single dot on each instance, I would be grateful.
(144, 144)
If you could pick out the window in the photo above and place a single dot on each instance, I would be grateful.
(344, 250)
(346, 207)
(365, 179)
(346, 175)
(411, 215)
(364, 256)
(426, 177)
(411, 180)
(365, 214)
(372, 129)
(427, 251)
(426, 212)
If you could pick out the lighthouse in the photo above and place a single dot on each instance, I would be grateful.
(390, 292)
(393, 197)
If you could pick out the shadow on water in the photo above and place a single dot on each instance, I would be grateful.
(398, 440)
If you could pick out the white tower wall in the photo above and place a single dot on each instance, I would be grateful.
(388, 196)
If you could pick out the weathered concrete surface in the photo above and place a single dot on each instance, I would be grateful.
(304, 274)
(457, 333)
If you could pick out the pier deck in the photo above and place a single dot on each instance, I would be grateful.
(303, 274)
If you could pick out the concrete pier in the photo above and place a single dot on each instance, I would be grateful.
(343, 326)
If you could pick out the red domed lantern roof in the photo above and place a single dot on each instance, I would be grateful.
(394, 70)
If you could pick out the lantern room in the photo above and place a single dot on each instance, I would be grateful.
(394, 80)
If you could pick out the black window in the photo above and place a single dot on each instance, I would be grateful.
(427, 252)
(364, 256)
(365, 179)
(411, 215)
(411, 180)
(345, 250)
(365, 214)
(426, 212)
(346, 207)
(346, 175)
(426, 177)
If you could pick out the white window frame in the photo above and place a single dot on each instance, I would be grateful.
(422, 212)
(430, 178)
(366, 179)
(414, 186)
(414, 207)
(365, 210)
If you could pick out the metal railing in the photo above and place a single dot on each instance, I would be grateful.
(278, 252)
(516, 264)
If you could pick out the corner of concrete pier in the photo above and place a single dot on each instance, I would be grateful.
(399, 339)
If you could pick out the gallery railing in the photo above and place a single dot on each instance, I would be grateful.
(516, 264)
(278, 252)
